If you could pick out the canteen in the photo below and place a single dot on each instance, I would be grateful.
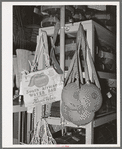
(70, 95)
(90, 97)
(81, 118)
(65, 111)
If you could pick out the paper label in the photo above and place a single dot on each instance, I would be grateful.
(42, 87)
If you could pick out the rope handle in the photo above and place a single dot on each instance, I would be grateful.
(71, 68)
(41, 47)
(81, 40)
(94, 70)
(86, 52)
(52, 53)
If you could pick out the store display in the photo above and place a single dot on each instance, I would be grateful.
(85, 101)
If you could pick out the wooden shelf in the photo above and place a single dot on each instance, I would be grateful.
(18, 108)
(103, 34)
(100, 120)
(97, 122)
(106, 75)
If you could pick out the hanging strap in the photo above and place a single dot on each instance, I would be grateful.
(80, 66)
(42, 47)
(70, 68)
(81, 41)
(52, 53)
(93, 69)
(86, 50)
(78, 78)
(54, 61)
(75, 69)
(56, 30)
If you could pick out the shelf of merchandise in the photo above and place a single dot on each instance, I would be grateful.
(92, 28)
(107, 38)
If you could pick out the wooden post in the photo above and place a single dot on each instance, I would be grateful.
(28, 127)
(19, 126)
(62, 49)
(62, 37)
(91, 40)
(89, 133)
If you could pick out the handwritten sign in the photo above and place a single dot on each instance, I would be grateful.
(41, 87)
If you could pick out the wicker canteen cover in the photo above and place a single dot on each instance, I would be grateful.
(65, 111)
(70, 95)
(81, 118)
(90, 97)
(79, 105)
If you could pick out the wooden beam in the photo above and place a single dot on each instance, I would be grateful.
(105, 119)
(62, 38)
(62, 53)
(89, 133)
(106, 75)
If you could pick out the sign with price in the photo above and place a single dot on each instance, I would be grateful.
(41, 87)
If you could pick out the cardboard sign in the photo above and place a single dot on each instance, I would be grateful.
(42, 87)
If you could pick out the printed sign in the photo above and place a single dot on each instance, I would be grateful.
(42, 87)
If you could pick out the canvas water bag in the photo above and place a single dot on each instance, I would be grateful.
(41, 86)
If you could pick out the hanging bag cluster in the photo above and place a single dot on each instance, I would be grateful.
(81, 99)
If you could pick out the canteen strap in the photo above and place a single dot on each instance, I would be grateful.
(86, 52)
(56, 30)
(41, 48)
(93, 69)
(52, 53)
(80, 73)
(70, 68)
(81, 41)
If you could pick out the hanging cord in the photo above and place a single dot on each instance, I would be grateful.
(80, 67)
(52, 53)
(81, 40)
(70, 68)
(93, 68)
(41, 46)
(53, 59)
(79, 74)
(86, 50)
(87, 79)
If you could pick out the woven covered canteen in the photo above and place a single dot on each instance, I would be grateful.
(70, 95)
(90, 97)
(82, 117)
(81, 98)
